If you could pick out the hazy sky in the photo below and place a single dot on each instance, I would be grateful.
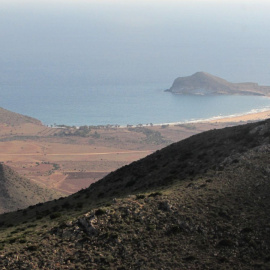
(113, 41)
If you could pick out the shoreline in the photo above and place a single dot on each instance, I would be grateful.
(254, 115)
(257, 116)
(246, 117)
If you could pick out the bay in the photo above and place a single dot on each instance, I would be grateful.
(120, 104)
(104, 62)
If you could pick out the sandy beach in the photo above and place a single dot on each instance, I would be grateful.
(252, 116)
(257, 116)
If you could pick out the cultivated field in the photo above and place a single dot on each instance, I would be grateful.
(68, 159)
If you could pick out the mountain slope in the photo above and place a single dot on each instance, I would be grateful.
(17, 192)
(12, 118)
(202, 203)
(202, 83)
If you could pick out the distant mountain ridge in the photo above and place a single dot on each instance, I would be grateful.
(12, 118)
(17, 192)
(202, 83)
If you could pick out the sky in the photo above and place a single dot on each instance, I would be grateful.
(122, 42)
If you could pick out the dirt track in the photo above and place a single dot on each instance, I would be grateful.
(77, 154)
(69, 163)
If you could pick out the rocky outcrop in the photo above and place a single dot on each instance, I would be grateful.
(202, 83)
(202, 203)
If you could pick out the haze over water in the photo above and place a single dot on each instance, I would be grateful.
(99, 62)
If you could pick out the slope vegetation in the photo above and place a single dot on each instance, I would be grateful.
(17, 192)
(202, 83)
(201, 203)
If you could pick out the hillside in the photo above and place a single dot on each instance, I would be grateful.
(201, 203)
(17, 192)
(202, 83)
(14, 119)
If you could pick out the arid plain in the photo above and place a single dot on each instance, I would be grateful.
(68, 159)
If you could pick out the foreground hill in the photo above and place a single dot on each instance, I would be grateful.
(17, 192)
(202, 83)
(201, 203)
(12, 118)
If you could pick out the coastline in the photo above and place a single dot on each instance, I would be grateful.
(253, 116)
(246, 117)
(52, 157)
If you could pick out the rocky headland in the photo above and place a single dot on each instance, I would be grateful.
(202, 83)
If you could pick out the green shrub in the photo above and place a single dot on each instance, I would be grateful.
(130, 183)
(174, 229)
(79, 205)
(22, 241)
(55, 215)
(32, 248)
(155, 194)
(100, 212)
(66, 205)
(140, 196)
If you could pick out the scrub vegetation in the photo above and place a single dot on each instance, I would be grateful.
(201, 203)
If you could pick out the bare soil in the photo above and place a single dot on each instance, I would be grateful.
(63, 160)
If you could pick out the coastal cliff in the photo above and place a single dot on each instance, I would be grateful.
(202, 83)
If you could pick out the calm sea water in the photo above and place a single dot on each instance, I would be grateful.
(121, 104)
(90, 62)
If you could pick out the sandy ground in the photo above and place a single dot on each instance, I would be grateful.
(68, 164)
(243, 118)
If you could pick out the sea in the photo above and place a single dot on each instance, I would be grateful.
(109, 62)
(129, 104)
